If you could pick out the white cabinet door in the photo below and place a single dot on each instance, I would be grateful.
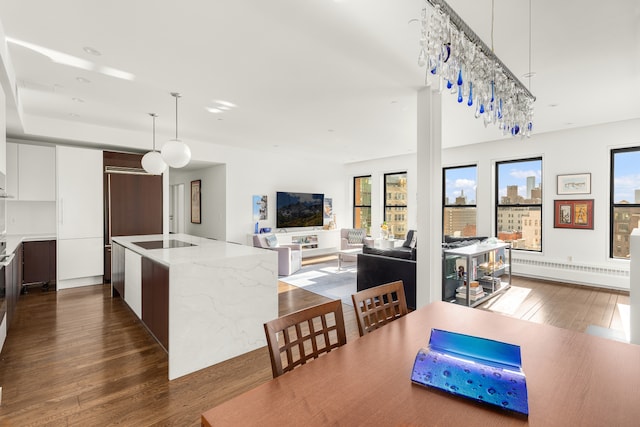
(12, 169)
(80, 217)
(36, 173)
(80, 192)
(79, 258)
(3, 132)
(133, 281)
(31, 172)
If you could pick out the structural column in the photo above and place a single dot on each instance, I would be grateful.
(634, 287)
(429, 159)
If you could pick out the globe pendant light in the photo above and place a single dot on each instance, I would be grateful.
(152, 161)
(175, 152)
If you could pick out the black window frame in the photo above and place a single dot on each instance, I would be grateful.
(498, 205)
(612, 204)
(384, 205)
(360, 206)
(454, 206)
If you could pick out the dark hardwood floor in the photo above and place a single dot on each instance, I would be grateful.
(78, 357)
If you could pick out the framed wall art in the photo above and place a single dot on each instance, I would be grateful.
(579, 183)
(259, 208)
(573, 214)
(196, 203)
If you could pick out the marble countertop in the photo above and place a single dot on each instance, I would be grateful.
(204, 249)
(13, 240)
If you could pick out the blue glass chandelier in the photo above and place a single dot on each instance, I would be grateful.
(463, 64)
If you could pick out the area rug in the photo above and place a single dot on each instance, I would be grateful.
(325, 279)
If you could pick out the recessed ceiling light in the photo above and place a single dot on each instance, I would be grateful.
(74, 115)
(553, 105)
(213, 110)
(528, 75)
(225, 103)
(72, 61)
(330, 130)
(91, 51)
(80, 100)
(82, 80)
(394, 102)
(223, 107)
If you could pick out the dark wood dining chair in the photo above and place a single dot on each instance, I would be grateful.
(375, 307)
(306, 334)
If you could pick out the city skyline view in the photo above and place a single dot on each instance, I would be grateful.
(517, 174)
(461, 181)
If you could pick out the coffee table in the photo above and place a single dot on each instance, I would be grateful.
(348, 253)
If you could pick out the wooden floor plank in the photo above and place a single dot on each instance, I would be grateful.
(78, 357)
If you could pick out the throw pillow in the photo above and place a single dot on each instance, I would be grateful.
(355, 235)
(272, 241)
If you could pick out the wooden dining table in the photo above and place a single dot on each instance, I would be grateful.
(573, 379)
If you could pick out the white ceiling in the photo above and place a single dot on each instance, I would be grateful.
(329, 77)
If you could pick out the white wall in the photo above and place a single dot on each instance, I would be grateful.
(25, 218)
(568, 255)
(250, 173)
(3, 134)
(377, 169)
(212, 198)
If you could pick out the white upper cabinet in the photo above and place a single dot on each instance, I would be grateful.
(31, 172)
(80, 192)
(12, 170)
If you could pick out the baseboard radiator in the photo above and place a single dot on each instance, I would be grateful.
(593, 275)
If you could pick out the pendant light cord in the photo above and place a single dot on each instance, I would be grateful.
(154, 115)
(154, 132)
(529, 45)
(176, 95)
(492, 20)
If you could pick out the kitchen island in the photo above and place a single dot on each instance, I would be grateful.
(204, 300)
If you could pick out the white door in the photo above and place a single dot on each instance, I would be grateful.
(176, 217)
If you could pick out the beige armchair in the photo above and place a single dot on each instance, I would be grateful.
(354, 238)
(289, 256)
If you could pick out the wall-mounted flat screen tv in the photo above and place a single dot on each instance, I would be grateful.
(299, 209)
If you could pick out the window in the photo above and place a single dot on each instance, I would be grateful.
(519, 196)
(395, 203)
(459, 204)
(362, 203)
(625, 199)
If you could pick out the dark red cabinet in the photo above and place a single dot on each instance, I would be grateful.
(39, 262)
(13, 282)
(155, 300)
(116, 252)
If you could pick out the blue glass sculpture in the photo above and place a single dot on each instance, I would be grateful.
(477, 368)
